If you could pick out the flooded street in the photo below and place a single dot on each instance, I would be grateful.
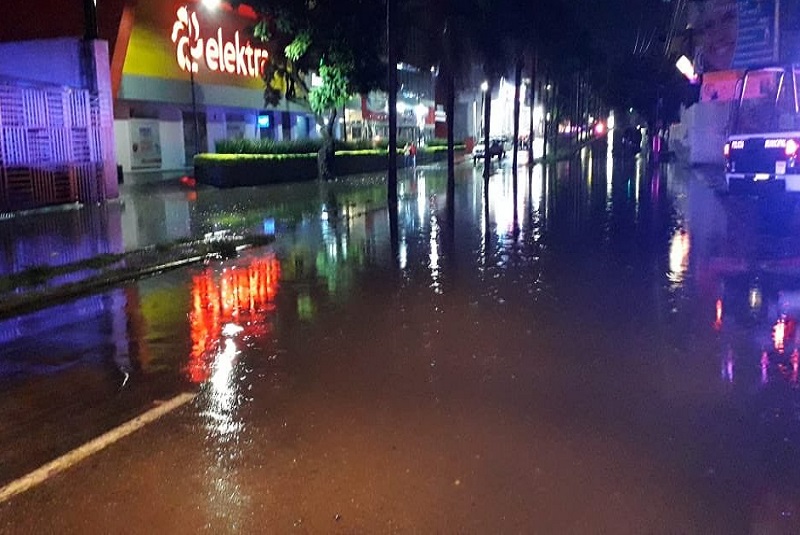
(610, 346)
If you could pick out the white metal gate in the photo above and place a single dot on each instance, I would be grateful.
(50, 146)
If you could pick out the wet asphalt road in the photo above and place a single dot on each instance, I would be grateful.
(588, 355)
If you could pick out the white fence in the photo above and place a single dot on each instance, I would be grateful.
(51, 146)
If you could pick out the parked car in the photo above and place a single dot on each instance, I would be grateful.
(496, 149)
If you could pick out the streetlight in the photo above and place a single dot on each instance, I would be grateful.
(192, 68)
(193, 65)
(686, 67)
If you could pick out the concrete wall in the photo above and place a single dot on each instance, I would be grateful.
(73, 63)
(122, 139)
(171, 140)
(171, 131)
(216, 128)
(173, 152)
(51, 61)
(700, 136)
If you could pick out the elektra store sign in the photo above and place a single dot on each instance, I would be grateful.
(219, 52)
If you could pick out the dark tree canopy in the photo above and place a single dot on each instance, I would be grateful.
(341, 40)
(619, 47)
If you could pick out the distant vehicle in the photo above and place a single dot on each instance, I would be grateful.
(762, 151)
(631, 140)
(496, 149)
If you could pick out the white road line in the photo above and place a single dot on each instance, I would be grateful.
(43, 473)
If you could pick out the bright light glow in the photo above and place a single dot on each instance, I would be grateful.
(231, 329)
(501, 205)
(779, 334)
(211, 4)
(401, 107)
(679, 255)
(403, 254)
(791, 147)
(191, 47)
(686, 68)
(726, 150)
(727, 366)
(611, 121)
(755, 298)
(421, 112)
(422, 197)
(485, 86)
(433, 257)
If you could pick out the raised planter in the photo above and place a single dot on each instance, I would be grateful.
(235, 170)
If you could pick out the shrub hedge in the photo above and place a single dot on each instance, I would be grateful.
(309, 146)
(251, 169)
(296, 146)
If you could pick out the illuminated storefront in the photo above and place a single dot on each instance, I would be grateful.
(191, 75)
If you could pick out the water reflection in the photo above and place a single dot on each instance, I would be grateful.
(637, 332)
(229, 307)
(89, 331)
(679, 256)
(241, 296)
(433, 257)
(220, 402)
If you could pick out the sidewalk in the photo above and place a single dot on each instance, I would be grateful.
(61, 252)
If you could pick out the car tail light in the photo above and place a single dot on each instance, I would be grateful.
(791, 147)
(726, 150)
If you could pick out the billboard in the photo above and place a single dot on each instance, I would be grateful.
(734, 34)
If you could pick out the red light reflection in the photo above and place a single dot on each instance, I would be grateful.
(779, 335)
(718, 321)
(243, 295)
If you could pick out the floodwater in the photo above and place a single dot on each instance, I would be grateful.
(608, 347)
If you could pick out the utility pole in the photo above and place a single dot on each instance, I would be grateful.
(90, 20)
(776, 33)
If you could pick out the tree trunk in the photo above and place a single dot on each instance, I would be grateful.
(487, 115)
(327, 153)
(533, 106)
(517, 88)
(450, 109)
(391, 13)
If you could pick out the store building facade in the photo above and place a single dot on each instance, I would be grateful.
(183, 76)
(191, 76)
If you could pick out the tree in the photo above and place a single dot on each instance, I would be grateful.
(340, 40)
(440, 39)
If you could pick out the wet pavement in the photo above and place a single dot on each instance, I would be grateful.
(608, 347)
